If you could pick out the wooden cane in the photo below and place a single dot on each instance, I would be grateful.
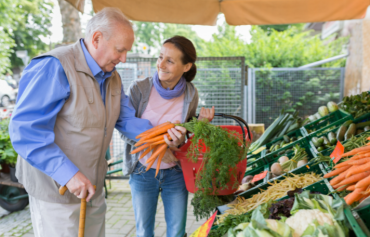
(81, 228)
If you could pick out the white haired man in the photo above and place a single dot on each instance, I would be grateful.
(70, 100)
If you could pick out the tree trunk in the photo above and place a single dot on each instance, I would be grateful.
(70, 21)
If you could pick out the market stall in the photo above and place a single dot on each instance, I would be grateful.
(326, 158)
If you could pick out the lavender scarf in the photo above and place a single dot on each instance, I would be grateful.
(168, 94)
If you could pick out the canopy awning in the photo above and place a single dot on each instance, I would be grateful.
(237, 12)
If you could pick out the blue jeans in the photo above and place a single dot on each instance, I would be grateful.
(145, 189)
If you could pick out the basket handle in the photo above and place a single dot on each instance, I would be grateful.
(238, 120)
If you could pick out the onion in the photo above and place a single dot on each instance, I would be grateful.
(283, 159)
(276, 169)
(302, 163)
(247, 179)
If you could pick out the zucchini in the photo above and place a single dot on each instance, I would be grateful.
(286, 139)
(359, 131)
(332, 139)
(316, 142)
(320, 148)
(350, 132)
(341, 132)
(362, 125)
(326, 141)
(347, 123)
(367, 128)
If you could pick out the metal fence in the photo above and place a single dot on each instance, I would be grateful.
(271, 90)
(219, 80)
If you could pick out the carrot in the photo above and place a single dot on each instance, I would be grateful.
(140, 148)
(152, 129)
(355, 195)
(337, 179)
(159, 162)
(351, 188)
(357, 150)
(147, 151)
(345, 163)
(360, 169)
(156, 139)
(336, 172)
(364, 197)
(363, 183)
(157, 152)
(159, 131)
(341, 188)
(360, 161)
(362, 156)
(150, 165)
(368, 138)
(355, 178)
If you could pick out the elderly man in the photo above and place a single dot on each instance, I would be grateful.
(70, 100)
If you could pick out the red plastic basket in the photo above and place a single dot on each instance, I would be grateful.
(191, 169)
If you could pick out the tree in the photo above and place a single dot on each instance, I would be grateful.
(70, 21)
(154, 34)
(290, 48)
(27, 32)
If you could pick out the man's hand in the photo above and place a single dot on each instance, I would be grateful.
(79, 185)
(169, 157)
(208, 114)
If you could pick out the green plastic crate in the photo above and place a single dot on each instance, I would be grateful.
(296, 133)
(354, 218)
(271, 157)
(258, 162)
(268, 156)
(363, 118)
(334, 119)
(327, 151)
(310, 153)
(360, 223)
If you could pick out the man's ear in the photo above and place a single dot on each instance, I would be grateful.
(96, 39)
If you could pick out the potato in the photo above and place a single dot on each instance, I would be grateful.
(276, 169)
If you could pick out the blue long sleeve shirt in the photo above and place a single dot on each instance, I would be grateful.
(43, 90)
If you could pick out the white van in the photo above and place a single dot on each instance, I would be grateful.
(7, 94)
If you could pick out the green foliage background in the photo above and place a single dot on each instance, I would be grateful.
(22, 23)
(7, 152)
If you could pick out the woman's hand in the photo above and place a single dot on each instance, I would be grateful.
(178, 136)
(208, 114)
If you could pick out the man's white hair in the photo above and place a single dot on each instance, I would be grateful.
(105, 21)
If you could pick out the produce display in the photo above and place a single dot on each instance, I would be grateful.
(284, 124)
(353, 174)
(310, 215)
(285, 164)
(356, 105)
(268, 208)
(278, 189)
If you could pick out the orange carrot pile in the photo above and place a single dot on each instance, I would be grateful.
(153, 141)
(353, 174)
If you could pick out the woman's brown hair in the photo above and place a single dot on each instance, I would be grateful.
(189, 54)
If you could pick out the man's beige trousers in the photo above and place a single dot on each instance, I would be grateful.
(62, 220)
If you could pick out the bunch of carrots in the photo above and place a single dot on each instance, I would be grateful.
(353, 174)
(153, 140)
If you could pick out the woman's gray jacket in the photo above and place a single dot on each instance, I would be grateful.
(139, 96)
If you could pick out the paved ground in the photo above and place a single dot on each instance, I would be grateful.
(120, 219)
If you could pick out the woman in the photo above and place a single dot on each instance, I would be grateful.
(168, 96)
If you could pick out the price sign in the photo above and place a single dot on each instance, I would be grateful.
(205, 228)
(336, 155)
(260, 176)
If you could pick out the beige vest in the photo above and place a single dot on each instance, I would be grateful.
(83, 128)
